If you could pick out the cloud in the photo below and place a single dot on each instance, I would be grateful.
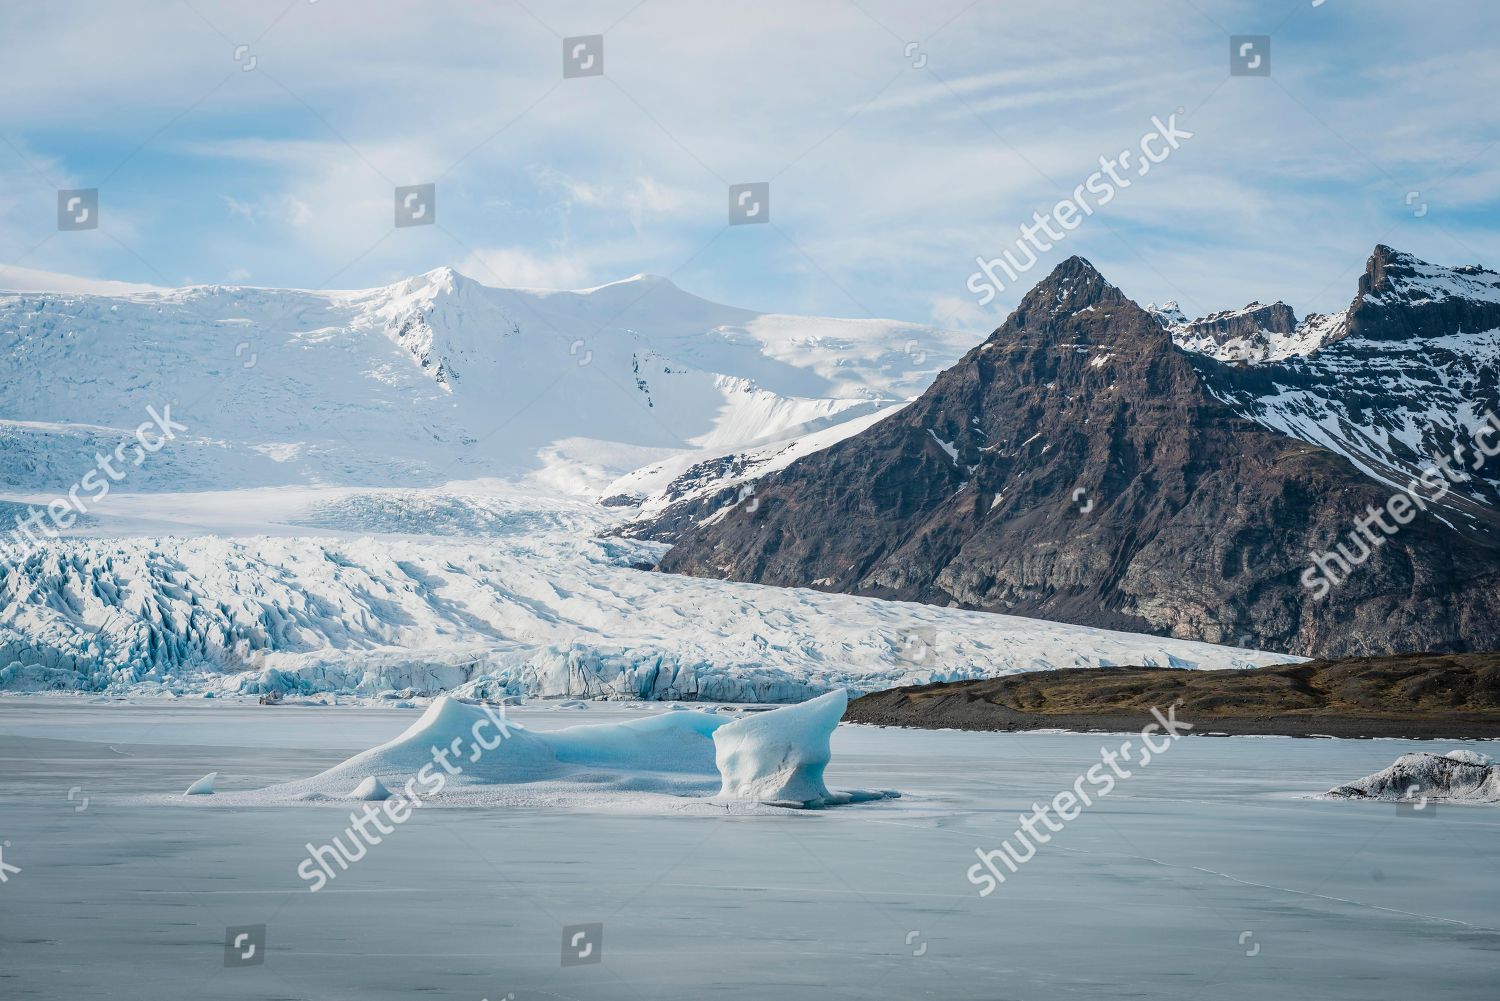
(238, 208)
(520, 268)
(887, 179)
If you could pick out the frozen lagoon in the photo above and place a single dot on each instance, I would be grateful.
(1203, 876)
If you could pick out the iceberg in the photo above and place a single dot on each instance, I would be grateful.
(1460, 776)
(466, 754)
(1470, 757)
(203, 787)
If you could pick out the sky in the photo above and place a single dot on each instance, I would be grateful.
(260, 143)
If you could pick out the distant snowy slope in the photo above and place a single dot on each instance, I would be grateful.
(434, 378)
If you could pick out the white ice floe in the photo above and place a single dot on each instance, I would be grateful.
(458, 754)
(1459, 776)
(203, 787)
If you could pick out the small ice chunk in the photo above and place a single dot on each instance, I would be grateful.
(371, 789)
(573, 704)
(203, 787)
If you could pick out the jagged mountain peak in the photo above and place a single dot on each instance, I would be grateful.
(1075, 278)
(1395, 276)
(1076, 309)
(1252, 334)
(1400, 298)
(1169, 313)
(1075, 266)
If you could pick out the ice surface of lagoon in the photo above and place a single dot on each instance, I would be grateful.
(1204, 876)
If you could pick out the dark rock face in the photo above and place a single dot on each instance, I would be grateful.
(1076, 467)
(1246, 323)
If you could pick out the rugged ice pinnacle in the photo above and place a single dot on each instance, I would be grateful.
(779, 757)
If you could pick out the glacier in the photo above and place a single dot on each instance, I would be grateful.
(552, 615)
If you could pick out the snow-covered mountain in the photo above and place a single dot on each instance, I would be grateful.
(428, 380)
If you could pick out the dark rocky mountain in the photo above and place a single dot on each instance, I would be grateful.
(1079, 466)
